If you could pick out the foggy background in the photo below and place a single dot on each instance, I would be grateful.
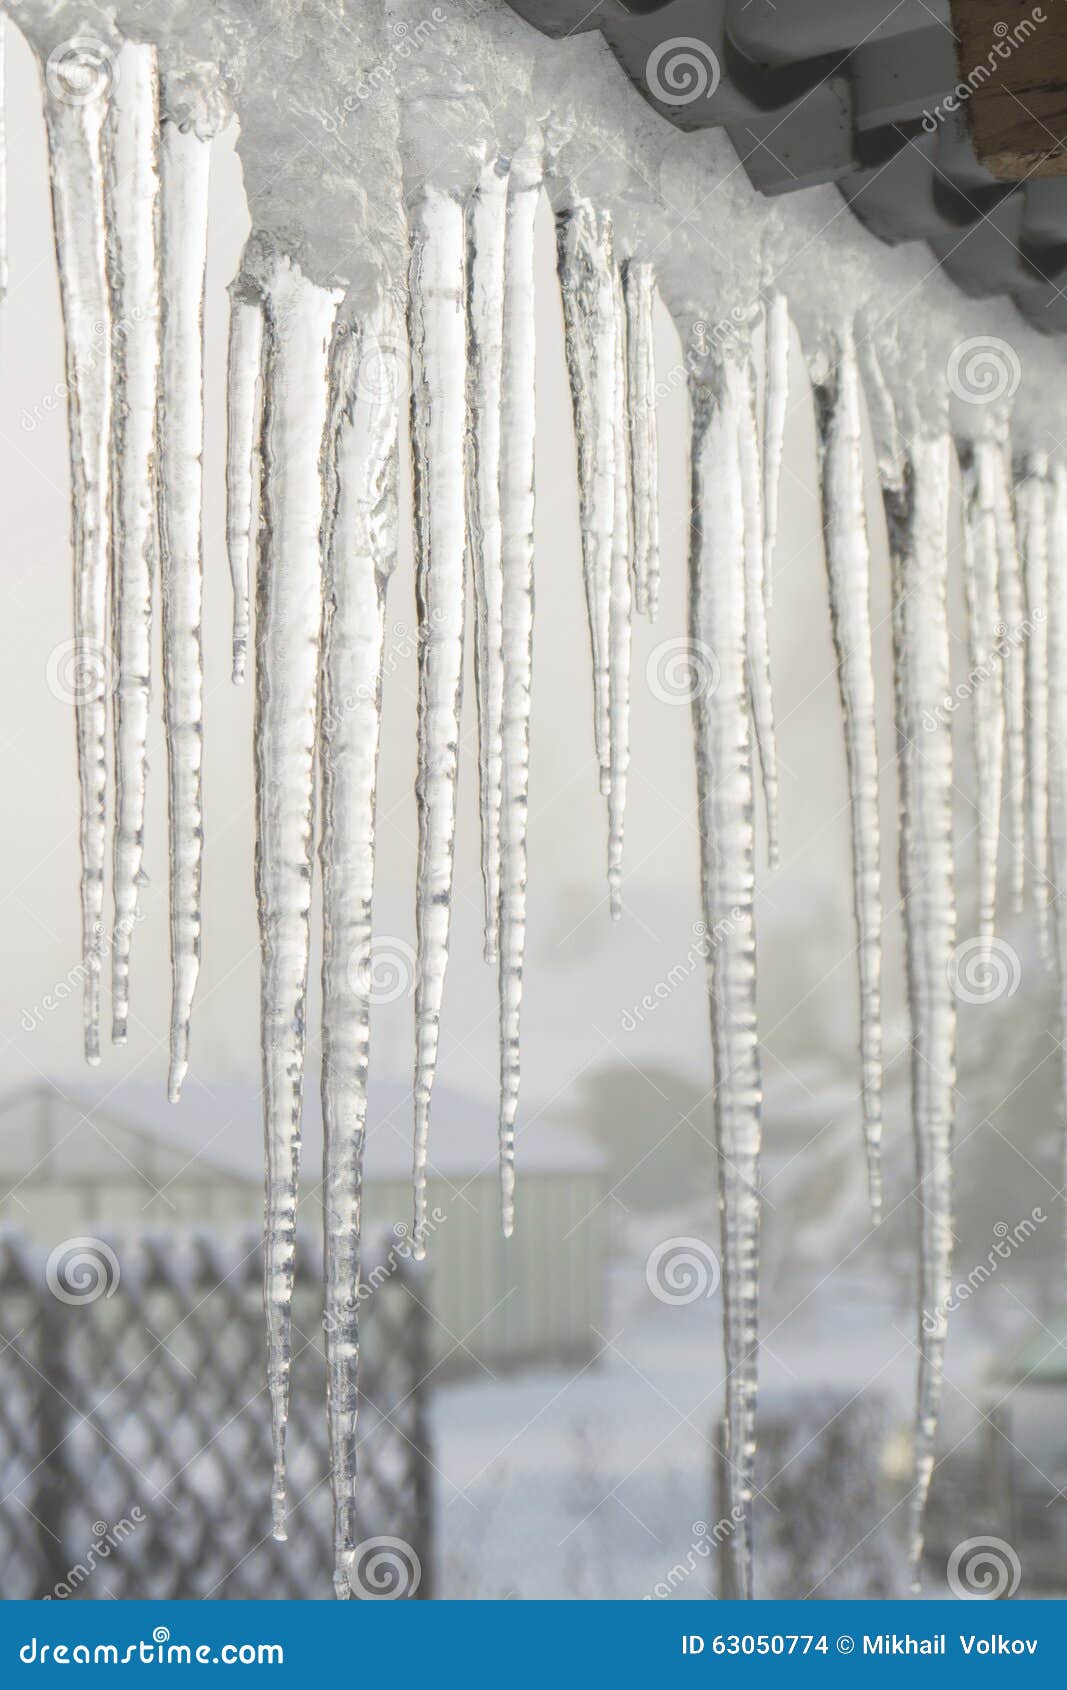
(555, 1479)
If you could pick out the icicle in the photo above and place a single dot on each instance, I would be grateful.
(1057, 672)
(437, 426)
(1011, 609)
(76, 89)
(517, 505)
(243, 409)
(978, 469)
(621, 620)
(132, 195)
(184, 165)
(299, 319)
(639, 289)
(585, 257)
(724, 774)
(918, 531)
(485, 311)
(848, 563)
(1032, 498)
(757, 636)
(775, 403)
(360, 553)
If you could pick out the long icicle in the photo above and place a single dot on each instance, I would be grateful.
(486, 215)
(360, 555)
(1033, 495)
(243, 416)
(75, 109)
(183, 169)
(978, 471)
(775, 405)
(132, 199)
(437, 331)
(517, 505)
(585, 260)
(1057, 670)
(1012, 611)
(639, 290)
(724, 775)
(757, 634)
(918, 532)
(621, 620)
(299, 320)
(848, 565)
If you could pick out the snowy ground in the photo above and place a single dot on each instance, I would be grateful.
(599, 1481)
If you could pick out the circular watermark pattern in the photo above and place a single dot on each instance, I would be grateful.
(982, 970)
(983, 370)
(679, 671)
(384, 371)
(80, 70)
(984, 1569)
(388, 973)
(682, 70)
(80, 671)
(82, 1270)
(682, 1270)
(385, 1569)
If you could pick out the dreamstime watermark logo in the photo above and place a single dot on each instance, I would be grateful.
(698, 952)
(387, 973)
(407, 40)
(982, 970)
(385, 1569)
(984, 1569)
(403, 644)
(80, 671)
(63, 990)
(80, 70)
(1008, 1240)
(705, 1540)
(681, 670)
(682, 1270)
(682, 70)
(1006, 39)
(983, 370)
(81, 1271)
(409, 1243)
(106, 1539)
(1008, 640)
(384, 371)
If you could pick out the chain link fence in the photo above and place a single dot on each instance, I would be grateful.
(135, 1445)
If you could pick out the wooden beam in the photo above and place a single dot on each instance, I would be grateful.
(1013, 84)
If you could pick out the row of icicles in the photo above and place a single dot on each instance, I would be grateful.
(312, 470)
